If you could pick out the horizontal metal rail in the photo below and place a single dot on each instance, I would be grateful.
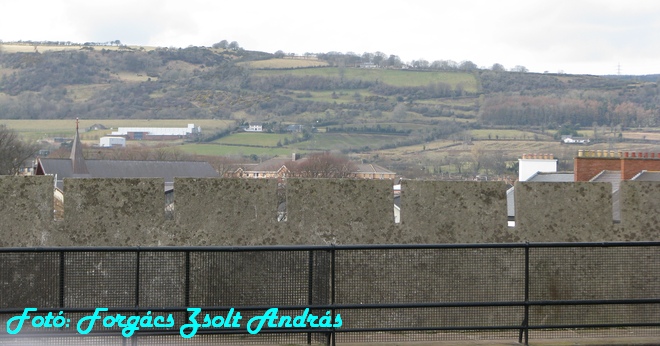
(332, 306)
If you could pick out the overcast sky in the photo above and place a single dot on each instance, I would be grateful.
(571, 36)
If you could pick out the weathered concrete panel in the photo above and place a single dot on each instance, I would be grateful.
(220, 211)
(640, 210)
(26, 210)
(340, 211)
(455, 212)
(592, 274)
(564, 212)
(431, 275)
(114, 212)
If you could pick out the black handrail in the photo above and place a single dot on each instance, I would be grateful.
(523, 328)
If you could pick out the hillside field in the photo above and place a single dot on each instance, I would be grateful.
(399, 78)
(38, 129)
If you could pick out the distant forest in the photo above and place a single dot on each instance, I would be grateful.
(200, 82)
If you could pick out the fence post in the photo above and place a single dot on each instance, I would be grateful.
(134, 341)
(187, 282)
(61, 297)
(525, 324)
(332, 291)
(310, 287)
(137, 278)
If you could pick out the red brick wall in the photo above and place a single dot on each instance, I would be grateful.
(588, 167)
(632, 166)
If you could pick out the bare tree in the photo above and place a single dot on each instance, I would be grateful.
(479, 157)
(222, 164)
(323, 165)
(14, 151)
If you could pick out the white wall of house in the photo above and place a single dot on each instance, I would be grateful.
(528, 167)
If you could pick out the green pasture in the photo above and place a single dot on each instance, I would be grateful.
(402, 78)
(266, 143)
(494, 134)
(255, 138)
(340, 141)
(231, 150)
(284, 63)
(340, 96)
(384, 125)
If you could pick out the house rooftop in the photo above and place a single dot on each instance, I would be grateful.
(647, 176)
(551, 177)
(168, 170)
(371, 168)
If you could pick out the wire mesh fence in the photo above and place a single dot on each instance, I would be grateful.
(395, 293)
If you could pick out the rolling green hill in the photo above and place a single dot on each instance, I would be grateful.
(362, 111)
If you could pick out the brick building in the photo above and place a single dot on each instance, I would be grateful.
(590, 163)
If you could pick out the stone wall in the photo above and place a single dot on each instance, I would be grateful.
(218, 211)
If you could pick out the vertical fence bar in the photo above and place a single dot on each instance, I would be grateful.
(187, 282)
(61, 296)
(332, 291)
(137, 278)
(310, 287)
(524, 328)
(526, 324)
(134, 341)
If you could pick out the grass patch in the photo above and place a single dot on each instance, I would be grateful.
(135, 77)
(257, 139)
(284, 63)
(82, 93)
(232, 150)
(340, 96)
(402, 78)
(345, 141)
(508, 134)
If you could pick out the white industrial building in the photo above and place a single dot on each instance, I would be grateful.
(159, 131)
(108, 142)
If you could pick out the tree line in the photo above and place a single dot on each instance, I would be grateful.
(43, 86)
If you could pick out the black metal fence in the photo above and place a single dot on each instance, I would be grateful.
(380, 292)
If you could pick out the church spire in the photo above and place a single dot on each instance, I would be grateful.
(78, 164)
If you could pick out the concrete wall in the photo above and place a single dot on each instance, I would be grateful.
(564, 212)
(219, 211)
(26, 210)
(340, 211)
(450, 212)
(123, 212)
(640, 214)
